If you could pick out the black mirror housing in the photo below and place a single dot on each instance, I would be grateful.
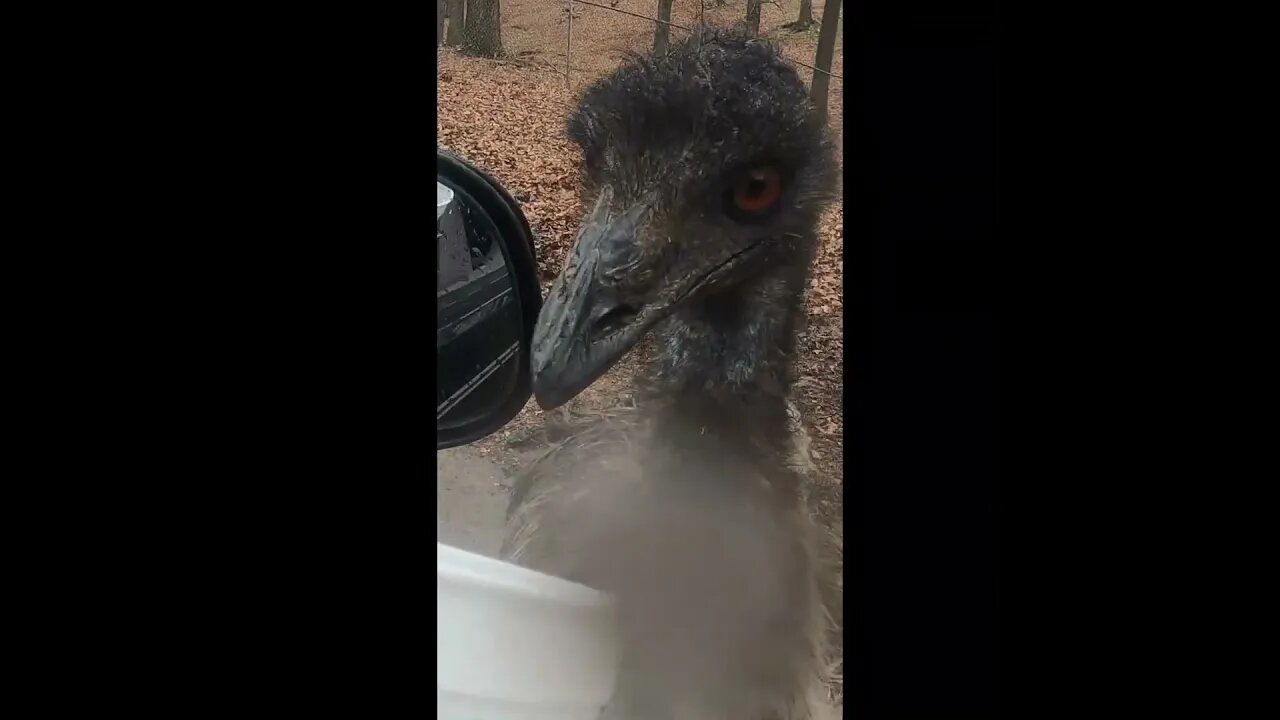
(487, 302)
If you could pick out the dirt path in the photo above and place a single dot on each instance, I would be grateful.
(471, 501)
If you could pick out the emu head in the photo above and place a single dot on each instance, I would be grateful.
(705, 170)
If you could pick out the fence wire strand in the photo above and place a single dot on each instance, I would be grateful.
(674, 25)
(568, 60)
(644, 17)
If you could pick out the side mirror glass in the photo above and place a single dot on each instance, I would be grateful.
(487, 301)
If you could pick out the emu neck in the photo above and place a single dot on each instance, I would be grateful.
(724, 364)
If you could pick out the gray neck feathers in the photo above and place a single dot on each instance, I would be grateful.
(724, 367)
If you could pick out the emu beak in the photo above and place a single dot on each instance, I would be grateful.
(584, 327)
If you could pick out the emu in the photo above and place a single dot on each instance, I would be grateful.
(705, 171)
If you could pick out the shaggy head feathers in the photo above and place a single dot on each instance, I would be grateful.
(714, 102)
(675, 130)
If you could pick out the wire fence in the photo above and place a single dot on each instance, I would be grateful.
(476, 26)
(558, 47)
(701, 7)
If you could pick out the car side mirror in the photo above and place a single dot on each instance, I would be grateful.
(487, 301)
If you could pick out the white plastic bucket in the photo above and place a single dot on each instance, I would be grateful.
(513, 644)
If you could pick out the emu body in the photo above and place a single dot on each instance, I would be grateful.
(706, 172)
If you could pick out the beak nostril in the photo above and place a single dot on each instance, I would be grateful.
(613, 320)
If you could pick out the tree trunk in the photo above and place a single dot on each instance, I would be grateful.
(806, 15)
(662, 32)
(484, 28)
(457, 21)
(826, 47)
(439, 22)
(753, 18)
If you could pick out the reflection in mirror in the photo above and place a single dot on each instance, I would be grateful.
(478, 318)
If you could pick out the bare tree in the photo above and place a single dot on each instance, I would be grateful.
(826, 47)
(805, 18)
(439, 22)
(753, 17)
(483, 28)
(662, 31)
(457, 20)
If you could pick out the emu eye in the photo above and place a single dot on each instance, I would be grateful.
(755, 193)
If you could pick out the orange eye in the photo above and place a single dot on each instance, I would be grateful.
(757, 190)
